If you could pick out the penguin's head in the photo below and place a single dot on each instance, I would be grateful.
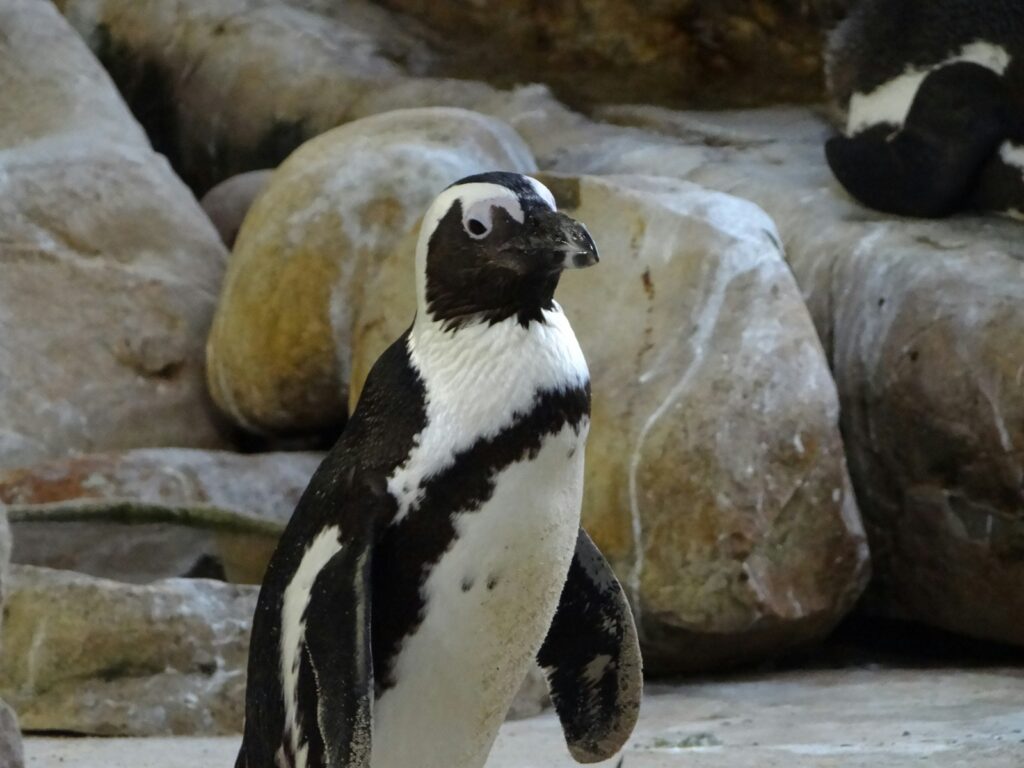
(492, 247)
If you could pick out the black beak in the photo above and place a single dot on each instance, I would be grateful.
(562, 241)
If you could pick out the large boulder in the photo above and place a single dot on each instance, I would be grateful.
(100, 657)
(155, 513)
(110, 267)
(228, 86)
(736, 538)
(225, 86)
(279, 350)
(924, 328)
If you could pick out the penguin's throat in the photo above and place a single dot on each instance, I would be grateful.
(490, 302)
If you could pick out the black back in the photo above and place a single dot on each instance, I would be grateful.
(881, 38)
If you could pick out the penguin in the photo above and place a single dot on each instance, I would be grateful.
(933, 95)
(437, 550)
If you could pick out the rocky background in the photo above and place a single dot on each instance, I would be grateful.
(781, 377)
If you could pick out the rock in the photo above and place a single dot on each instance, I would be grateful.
(736, 52)
(110, 268)
(99, 657)
(227, 86)
(149, 514)
(735, 538)
(228, 202)
(279, 350)
(11, 754)
(10, 736)
(924, 329)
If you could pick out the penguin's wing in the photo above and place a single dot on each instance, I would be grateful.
(336, 669)
(928, 167)
(592, 658)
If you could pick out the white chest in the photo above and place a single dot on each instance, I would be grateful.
(489, 602)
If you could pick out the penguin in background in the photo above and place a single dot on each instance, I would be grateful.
(437, 550)
(933, 96)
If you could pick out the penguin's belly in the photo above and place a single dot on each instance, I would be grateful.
(489, 601)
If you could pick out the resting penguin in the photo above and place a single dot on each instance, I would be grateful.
(933, 92)
(437, 550)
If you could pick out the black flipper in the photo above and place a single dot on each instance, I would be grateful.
(337, 649)
(929, 167)
(592, 658)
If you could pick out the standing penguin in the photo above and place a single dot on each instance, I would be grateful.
(933, 92)
(437, 550)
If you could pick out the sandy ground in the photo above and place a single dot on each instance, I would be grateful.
(825, 719)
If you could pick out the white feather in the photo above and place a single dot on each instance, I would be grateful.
(477, 379)
(890, 102)
(293, 627)
(457, 674)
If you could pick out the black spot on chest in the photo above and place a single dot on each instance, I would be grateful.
(410, 548)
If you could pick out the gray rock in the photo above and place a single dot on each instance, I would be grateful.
(228, 202)
(99, 657)
(11, 751)
(155, 513)
(110, 267)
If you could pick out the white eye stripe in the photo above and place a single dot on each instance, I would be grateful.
(478, 217)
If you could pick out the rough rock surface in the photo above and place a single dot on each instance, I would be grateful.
(736, 538)
(279, 350)
(110, 268)
(215, 513)
(101, 657)
(924, 329)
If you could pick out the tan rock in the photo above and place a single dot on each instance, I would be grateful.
(924, 328)
(100, 657)
(716, 482)
(110, 269)
(279, 351)
(150, 514)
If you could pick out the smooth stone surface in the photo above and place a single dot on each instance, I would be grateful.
(838, 719)
(736, 539)
(95, 514)
(924, 328)
(228, 86)
(11, 747)
(228, 202)
(305, 260)
(100, 657)
(110, 268)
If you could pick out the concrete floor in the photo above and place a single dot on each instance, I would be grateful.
(851, 718)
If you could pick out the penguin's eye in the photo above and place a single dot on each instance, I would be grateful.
(479, 216)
